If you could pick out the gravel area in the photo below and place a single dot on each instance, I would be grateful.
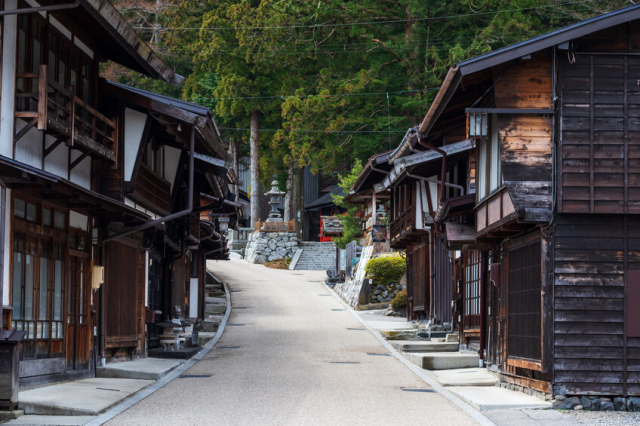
(608, 418)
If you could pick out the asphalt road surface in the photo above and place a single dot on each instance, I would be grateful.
(292, 355)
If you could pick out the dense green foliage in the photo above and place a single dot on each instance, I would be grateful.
(387, 269)
(400, 301)
(352, 219)
(334, 81)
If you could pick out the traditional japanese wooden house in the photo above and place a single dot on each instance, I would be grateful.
(69, 197)
(549, 271)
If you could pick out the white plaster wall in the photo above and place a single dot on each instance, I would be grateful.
(8, 79)
(422, 205)
(171, 161)
(7, 249)
(193, 298)
(81, 174)
(29, 147)
(133, 128)
(78, 220)
(57, 162)
(146, 278)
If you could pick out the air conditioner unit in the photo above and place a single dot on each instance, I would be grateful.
(97, 277)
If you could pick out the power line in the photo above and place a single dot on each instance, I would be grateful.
(315, 131)
(428, 89)
(385, 22)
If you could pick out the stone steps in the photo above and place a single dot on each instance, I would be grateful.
(443, 360)
(428, 346)
(316, 256)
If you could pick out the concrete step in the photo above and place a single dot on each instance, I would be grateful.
(215, 300)
(205, 337)
(443, 360)
(208, 326)
(466, 377)
(88, 397)
(144, 369)
(495, 398)
(214, 309)
(424, 346)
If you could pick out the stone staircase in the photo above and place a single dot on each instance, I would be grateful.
(215, 305)
(316, 256)
(436, 354)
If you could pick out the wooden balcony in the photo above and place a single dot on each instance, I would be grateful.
(403, 228)
(494, 212)
(152, 190)
(56, 110)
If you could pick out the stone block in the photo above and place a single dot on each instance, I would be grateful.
(619, 404)
(569, 403)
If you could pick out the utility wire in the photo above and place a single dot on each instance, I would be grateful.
(340, 95)
(385, 22)
(315, 131)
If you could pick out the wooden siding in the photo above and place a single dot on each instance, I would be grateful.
(419, 265)
(594, 354)
(443, 285)
(600, 135)
(494, 211)
(526, 139)
(124, 289)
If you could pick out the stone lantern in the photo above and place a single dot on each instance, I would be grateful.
(276, 199)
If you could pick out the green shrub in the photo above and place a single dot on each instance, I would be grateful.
(386, 270)
(400, 301)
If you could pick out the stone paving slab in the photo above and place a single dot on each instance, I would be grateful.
(35, 420)
(81, 397)
(494, 398)
(466, 377)
(145, 369)
(531, 418)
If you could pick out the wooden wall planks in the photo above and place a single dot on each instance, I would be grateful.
(591, 347)
(526, 139)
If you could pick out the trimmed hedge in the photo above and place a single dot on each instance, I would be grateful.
(400, 301)
(386, 270)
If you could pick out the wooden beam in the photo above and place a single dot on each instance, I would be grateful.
(25, 129)
(78, 161)
(53, 146)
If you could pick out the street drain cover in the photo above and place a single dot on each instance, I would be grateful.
(228, 347)
(356, 329)
(240, 307)
(337, 310)
(235, 291)
(417, 390)
(375, 354)
(324, 295)
(344, 362)
(113, 390)
(235, 325)
(297, 274)
(195, 376)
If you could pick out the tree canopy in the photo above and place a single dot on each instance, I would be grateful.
(334, 80)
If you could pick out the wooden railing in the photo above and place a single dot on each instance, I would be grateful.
(152, 188)
(275, 226)
(403, 224)
(493, 209)
(56, 109)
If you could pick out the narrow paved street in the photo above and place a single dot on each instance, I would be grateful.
(291, 355)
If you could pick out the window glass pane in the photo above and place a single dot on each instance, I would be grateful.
(17, 284)
(46, 217)
(44, 286)
(19, 208)
(57, 290)
(28, 286)
(32, 212)
(59, 221)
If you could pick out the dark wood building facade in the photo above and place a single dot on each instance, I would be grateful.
(87, 169)
(545, 276)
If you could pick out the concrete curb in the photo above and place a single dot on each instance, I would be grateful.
(174, 374)
(470, 410)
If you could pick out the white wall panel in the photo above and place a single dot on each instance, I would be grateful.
(81, 174)
(134, 122)
(29, 147)
(9, 41)
(57, 162)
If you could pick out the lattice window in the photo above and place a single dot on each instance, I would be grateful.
(525, 307)
(472, 281)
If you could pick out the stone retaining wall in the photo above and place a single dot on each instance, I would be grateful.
(267, 246)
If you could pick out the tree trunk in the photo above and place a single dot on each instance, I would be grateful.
(287, 198)
(236, 169)
(254, 169)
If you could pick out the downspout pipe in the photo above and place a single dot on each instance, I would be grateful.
(172, 216)
(444, 165)
(3, 214)
(50, 8)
